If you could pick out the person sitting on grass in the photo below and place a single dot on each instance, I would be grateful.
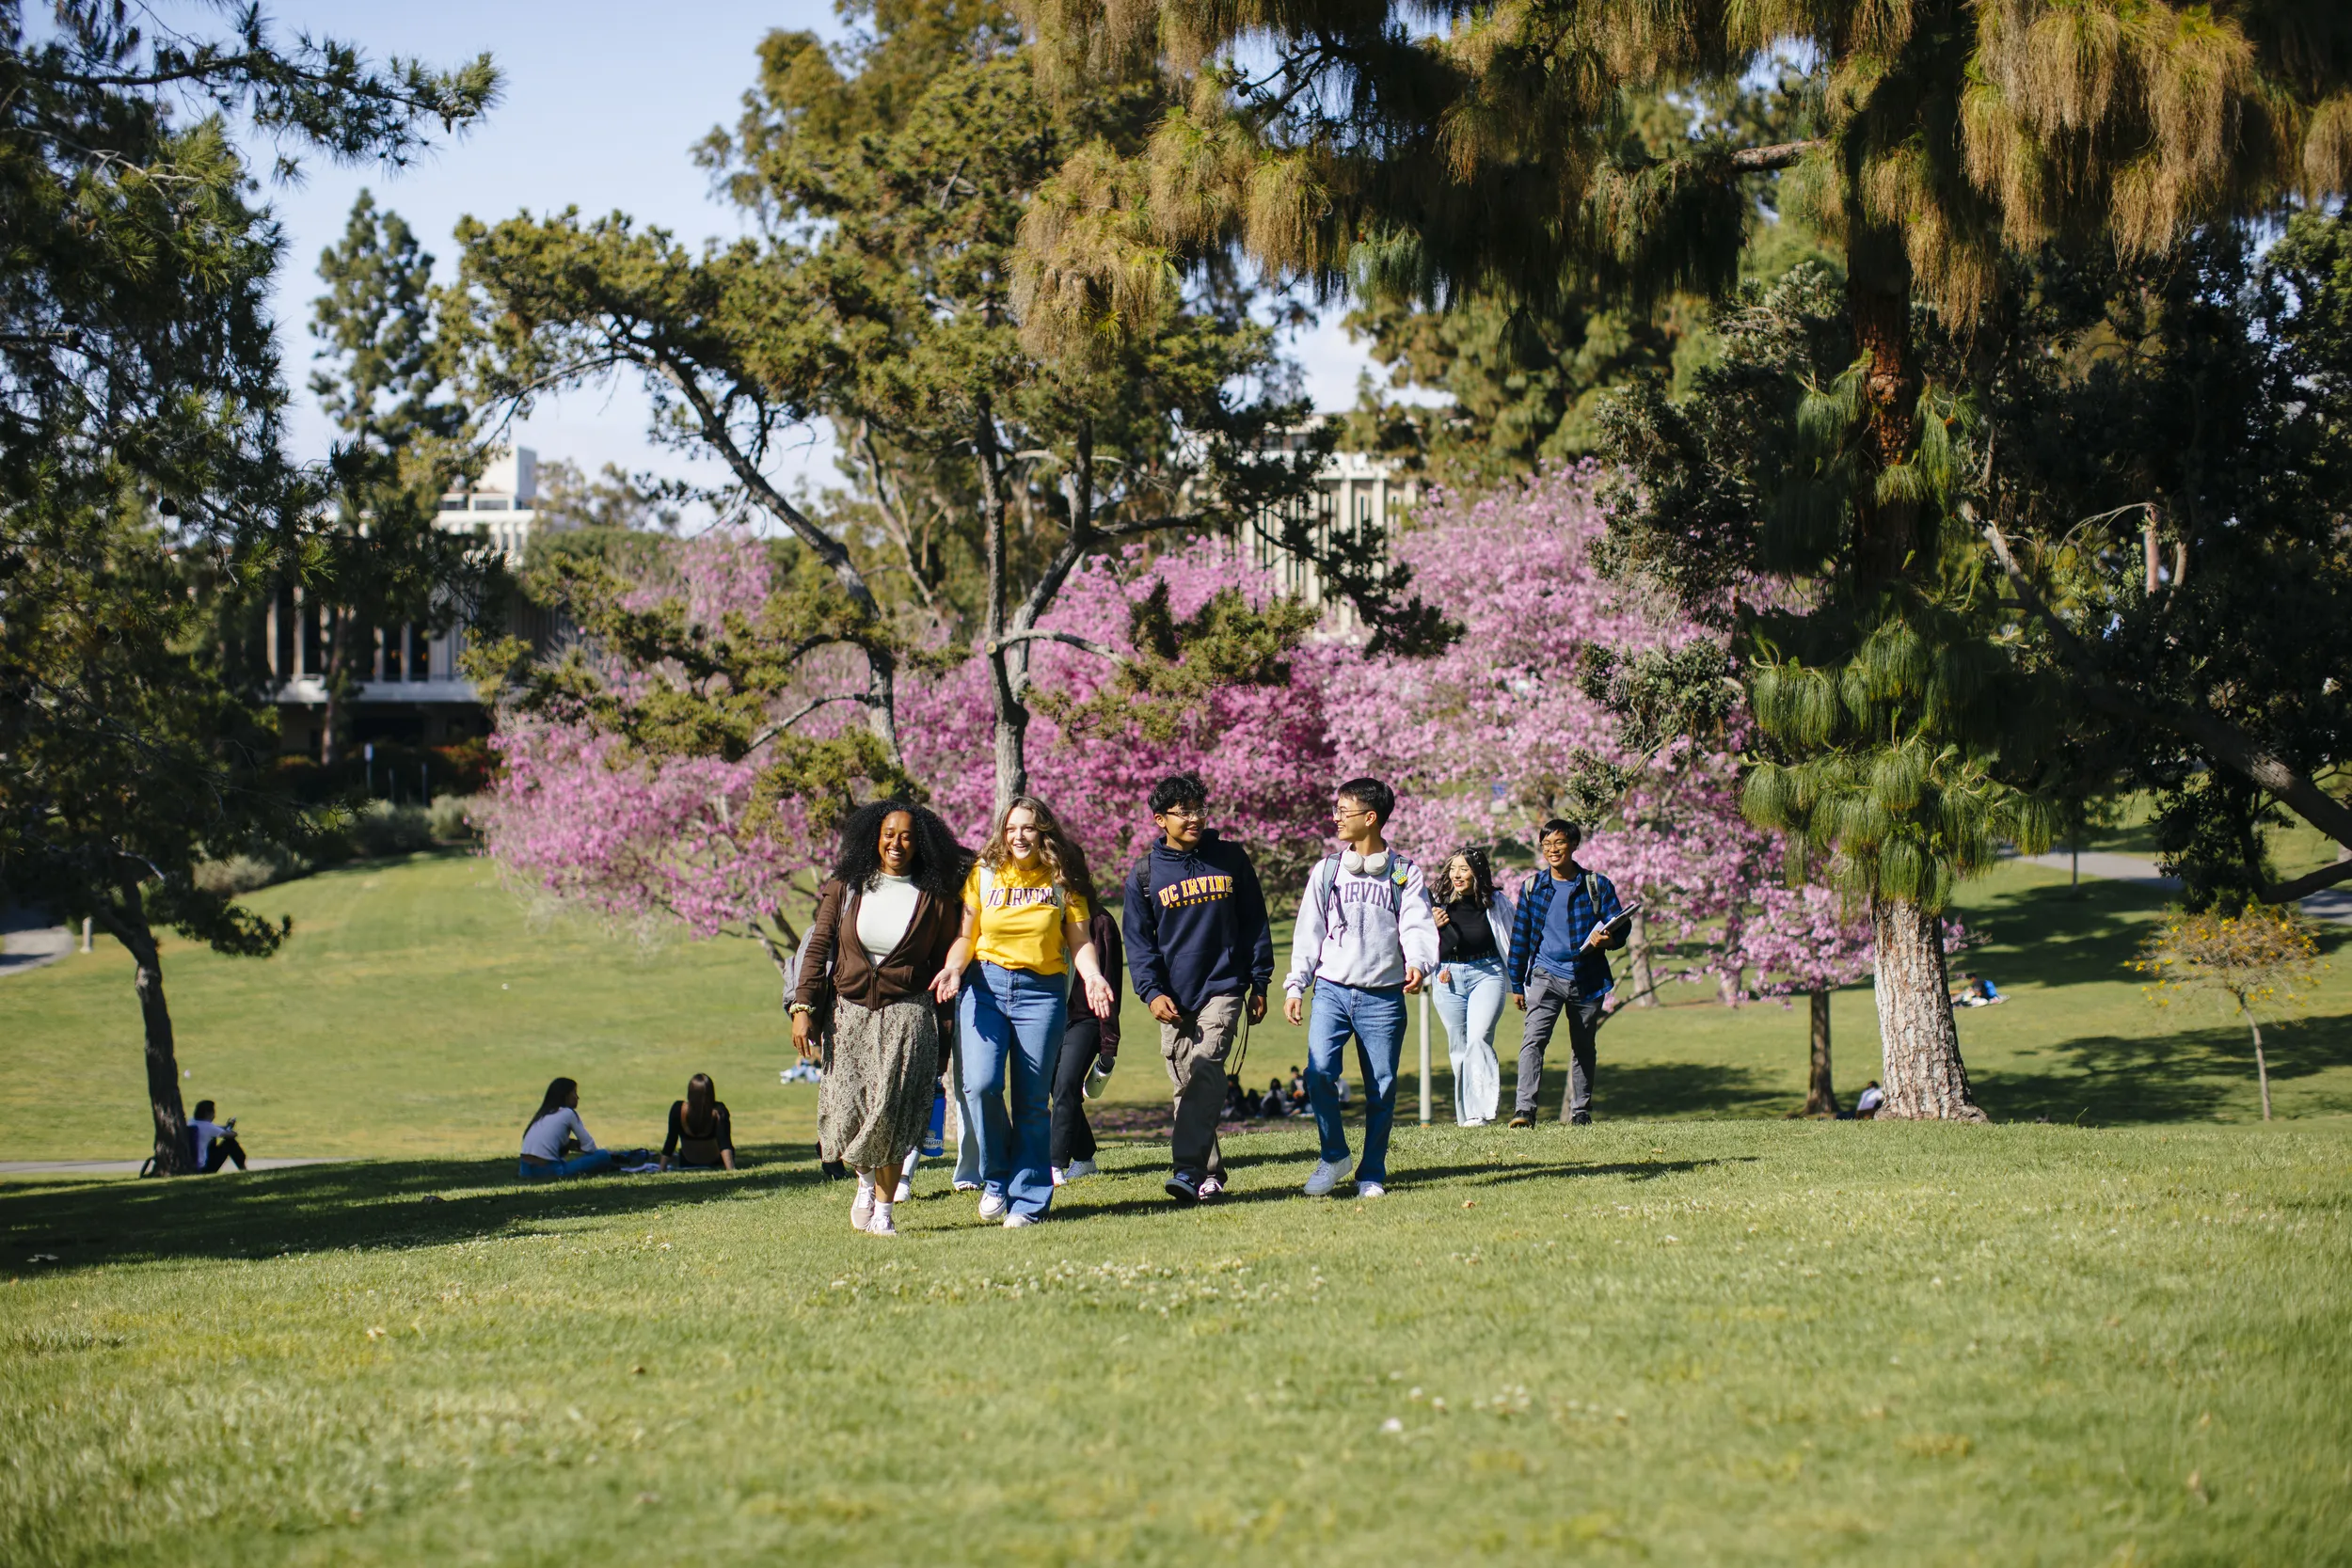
(553, 1131)
(1866, 1103)
(1976, 991)
(1275, 1102)
(215, 1144)
(701, 1135)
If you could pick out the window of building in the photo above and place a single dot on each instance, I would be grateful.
(491, 503)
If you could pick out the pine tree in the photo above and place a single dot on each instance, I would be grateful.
(386, 563)
(141, 474)
(1335, 142)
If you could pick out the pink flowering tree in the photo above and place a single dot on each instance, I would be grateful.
(1493, 735)
(674, 769)
(1805, 941)
(1098, 744)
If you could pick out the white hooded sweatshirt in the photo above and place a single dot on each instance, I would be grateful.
(1362, 928)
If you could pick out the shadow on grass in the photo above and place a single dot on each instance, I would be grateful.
(2181, 1077)
(1406, 1175)
(372, 1205)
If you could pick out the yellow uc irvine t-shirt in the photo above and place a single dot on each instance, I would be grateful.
(1020, 924)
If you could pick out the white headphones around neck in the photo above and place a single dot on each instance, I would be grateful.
(1362, 866)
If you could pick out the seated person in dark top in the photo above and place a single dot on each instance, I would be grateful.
(1275, 1103)
(701, 1137)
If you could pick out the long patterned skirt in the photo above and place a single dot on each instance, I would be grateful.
(880, 1079)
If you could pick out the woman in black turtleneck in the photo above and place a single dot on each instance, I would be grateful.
(1474, 939)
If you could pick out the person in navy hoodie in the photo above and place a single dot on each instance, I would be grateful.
(1201, 955)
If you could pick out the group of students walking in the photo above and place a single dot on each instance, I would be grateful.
(1016, 948)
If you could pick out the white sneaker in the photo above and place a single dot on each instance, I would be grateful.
(862, 1209)
(1370, 1189)
(1015, 1222)
(1326, 1176)
(992, 1205)
(967, 1186)
(1080, 1167)
(879, 1226)
(906, 1191)
(1061, 1176)
(1210, 1187)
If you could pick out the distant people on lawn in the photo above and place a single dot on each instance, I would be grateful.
(1473, 919)
(1085, 1039)
(701, 1135)
(553, 1133)
(1559, 967)
(1025, 928)
(1364, 940)
(214, 1143)
(1976, 991)
(877, 970)
(1867, 1104)
(1201, 953)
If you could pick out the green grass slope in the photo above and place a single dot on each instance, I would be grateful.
(1729, 1342)
(417, 1012)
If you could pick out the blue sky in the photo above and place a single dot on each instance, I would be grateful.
(602, 103)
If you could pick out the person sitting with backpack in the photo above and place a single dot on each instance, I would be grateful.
(701, 1134)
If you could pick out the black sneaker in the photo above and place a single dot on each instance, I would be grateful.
(1522, 1119)
(1581, 1119)
(1182, 1188)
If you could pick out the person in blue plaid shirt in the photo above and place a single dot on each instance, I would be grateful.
(1560, 965)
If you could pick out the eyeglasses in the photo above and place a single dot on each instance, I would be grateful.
(1338, 816)
(1186, 814)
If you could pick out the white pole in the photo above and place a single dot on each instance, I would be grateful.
(1424, 1055)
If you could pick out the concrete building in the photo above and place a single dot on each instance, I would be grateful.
(412, 691)
(1357, 496)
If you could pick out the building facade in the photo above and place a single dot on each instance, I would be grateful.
(411, 691)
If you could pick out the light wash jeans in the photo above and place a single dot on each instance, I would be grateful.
(1469, 1002)
(1010, 1036)
(1376, 1017)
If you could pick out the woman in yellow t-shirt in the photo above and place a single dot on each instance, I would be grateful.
(1027, 928)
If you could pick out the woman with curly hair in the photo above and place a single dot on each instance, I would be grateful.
(1027, 923)
(877, 953)
(1473, 919)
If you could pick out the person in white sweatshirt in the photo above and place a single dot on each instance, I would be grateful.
(1366, 938)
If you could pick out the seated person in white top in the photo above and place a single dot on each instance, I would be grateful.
(215, 1144)
(555, 1125)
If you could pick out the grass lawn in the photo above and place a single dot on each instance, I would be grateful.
(1751, 1341)
(1695, 1332)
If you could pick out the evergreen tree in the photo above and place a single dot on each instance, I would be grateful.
(141, 480)
(1337, 142)
(386, 563)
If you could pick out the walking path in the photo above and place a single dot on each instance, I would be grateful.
(120, 1167)
(2333, 903)
(25, 944)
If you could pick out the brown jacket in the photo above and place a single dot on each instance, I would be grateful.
(834, 952)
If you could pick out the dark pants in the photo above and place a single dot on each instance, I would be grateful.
(1080, 1043)
(1549, 1000)
(221, 1151)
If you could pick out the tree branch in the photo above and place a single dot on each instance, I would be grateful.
(1072, 639)
(2220, 739)
(1763, 160)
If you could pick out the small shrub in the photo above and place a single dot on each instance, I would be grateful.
(450, 818)
(382, 828)
(247, 873)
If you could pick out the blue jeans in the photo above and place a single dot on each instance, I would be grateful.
(579, 1164)
(1376, 1019)
(1010, 1027)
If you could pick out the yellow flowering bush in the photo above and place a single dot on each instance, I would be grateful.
(2260, 958)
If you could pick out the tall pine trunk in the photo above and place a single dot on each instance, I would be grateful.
(1006, 662)
(1924, 1077)
(126, 922)
(1820, 1093)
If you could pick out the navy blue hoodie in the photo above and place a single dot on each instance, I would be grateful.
(1196, 923)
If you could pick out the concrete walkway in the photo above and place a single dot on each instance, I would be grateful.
(124, 1167)
(2333, 903)
(25, 944)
